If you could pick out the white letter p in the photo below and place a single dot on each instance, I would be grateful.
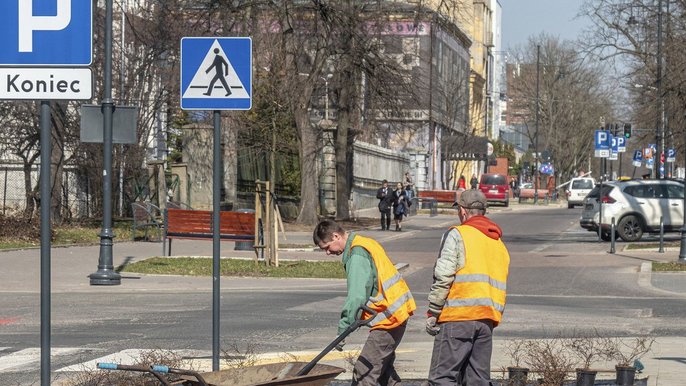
(29, 23)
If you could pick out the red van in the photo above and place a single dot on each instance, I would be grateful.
(495, 188)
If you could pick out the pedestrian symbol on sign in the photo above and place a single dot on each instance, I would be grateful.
(216, 67)
(222, 70)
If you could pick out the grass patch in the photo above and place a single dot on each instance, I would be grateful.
(639, 246)
(669, 267)
(84, 234)
(237, 267)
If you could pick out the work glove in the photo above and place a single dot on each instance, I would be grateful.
(340, 345)
(431, 327)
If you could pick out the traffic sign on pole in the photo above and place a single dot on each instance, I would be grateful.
(49, 83)
(216, 73)
(602, 143)
(46, 33)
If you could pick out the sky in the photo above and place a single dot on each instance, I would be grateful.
(524, 18)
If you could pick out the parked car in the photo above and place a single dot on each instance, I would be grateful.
(495, 188)
(636, 206)
(577, 189)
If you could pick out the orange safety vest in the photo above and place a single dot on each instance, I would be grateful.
(479, 289)
(393, 302)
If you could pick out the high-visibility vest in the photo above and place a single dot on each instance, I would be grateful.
(479, 288)
(393, 301)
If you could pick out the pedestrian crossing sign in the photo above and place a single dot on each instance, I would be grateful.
(216, 73)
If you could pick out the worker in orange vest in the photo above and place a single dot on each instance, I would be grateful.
(467, 296)
(373, 281)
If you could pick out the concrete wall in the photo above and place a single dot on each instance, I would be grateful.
(371, 165)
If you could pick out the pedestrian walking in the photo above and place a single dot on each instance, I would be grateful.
(401, 205)
(473, 182)
(467, 297)
(462, 183)
(514, 187)
(385, 196)
(373, 281)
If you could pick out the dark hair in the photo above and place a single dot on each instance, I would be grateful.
(324, 231)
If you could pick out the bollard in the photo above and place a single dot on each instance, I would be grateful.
(612, 235)
(662, 236)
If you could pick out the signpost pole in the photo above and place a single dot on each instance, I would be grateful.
(45, 198)
(216, 267)
(106, 274)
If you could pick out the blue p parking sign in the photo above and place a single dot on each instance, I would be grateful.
(46, 32)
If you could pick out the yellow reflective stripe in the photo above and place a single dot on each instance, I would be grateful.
(488, 302)
(480, 278)
(391, 281)
(392, 308)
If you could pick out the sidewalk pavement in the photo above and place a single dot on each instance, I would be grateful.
(71, 266)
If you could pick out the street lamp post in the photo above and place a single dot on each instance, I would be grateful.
(682, 246)
(660, 121)
(538, 76)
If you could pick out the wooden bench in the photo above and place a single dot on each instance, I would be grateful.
(443, 196)
(197, 225)
(529, 193)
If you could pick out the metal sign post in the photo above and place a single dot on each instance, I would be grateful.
(216, 74)
(32, 67)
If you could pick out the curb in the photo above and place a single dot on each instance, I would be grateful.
(645, 275)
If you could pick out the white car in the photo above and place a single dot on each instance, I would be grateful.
(577, 189)
(636, 207)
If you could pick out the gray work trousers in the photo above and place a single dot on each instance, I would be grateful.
(462, 354)
(375, 363)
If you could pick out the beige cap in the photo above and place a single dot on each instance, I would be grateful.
(472, 199)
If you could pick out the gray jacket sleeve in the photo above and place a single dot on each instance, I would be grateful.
(450, 260)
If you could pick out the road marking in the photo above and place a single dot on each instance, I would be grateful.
(28, 358)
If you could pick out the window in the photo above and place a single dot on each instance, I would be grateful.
(675, 191)
(493, 180)
(643, 191)
(582, 184)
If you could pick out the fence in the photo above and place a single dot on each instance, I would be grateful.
(76, 191)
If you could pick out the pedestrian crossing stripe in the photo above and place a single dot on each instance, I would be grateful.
(216, 73)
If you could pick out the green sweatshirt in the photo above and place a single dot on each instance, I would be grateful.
(361, 274)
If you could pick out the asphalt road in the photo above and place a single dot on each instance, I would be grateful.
(562, 280)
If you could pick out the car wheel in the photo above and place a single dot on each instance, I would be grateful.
(606, 236)
(507, 203)
(570, 206)
(630, 228)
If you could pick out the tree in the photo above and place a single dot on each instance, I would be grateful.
(626, 33)
(570, 100)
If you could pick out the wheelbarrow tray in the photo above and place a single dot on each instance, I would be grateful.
(272, 374)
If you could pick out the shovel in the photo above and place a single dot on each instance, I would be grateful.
(359, 322)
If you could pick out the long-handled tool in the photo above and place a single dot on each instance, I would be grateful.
(155, 370)
(359, 322)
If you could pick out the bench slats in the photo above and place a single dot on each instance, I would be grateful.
(445, 196)
(198, 224)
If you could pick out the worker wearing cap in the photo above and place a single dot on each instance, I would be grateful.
(373, 281)
(467, 296)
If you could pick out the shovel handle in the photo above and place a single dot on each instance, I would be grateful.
(357, 324)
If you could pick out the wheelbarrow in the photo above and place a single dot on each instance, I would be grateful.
(273, 374)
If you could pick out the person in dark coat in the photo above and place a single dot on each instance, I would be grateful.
(473, 182)
(400, 206)
(385, 196)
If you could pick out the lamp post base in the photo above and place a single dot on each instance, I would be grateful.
(105, 277)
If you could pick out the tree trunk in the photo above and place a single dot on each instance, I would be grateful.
(309, 182)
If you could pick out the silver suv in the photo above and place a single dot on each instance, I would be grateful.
(636, 206)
